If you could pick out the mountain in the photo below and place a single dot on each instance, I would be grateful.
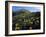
(21, 11)
(26, 19)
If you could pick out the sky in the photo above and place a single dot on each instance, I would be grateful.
(31, 9)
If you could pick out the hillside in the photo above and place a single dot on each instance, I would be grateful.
(24, 19)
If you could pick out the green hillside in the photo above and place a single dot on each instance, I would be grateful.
(24, 20)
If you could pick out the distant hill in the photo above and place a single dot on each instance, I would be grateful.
(21, 11)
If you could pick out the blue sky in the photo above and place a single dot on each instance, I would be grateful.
(32, 9)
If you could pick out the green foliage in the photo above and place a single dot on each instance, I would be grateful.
(26, 19)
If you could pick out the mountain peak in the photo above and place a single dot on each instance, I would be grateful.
(22, 11)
